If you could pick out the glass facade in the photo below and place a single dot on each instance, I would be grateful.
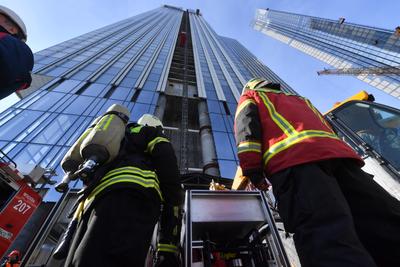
(341, 45)
(129, 63)
(223, 66)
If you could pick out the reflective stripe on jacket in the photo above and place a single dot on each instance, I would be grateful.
(128, 174)
(145, 162)
(275, 131)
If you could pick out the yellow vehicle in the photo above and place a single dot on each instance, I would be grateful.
(373, 130)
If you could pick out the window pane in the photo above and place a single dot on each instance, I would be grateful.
(138, 110)
(47, 101)
(213, 106)
(66, 86)
(18, 124)
(13, 148)
(145, 97)
(56, 129)
(227, 168)
(31, 154)
(217, 122)
(79, 105)
(223, 146)
(94, 89)
(150, 86)
(121, 93)
(49, 157)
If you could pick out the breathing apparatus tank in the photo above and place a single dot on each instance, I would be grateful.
(99, 144)
(102, 144)
(72, 159)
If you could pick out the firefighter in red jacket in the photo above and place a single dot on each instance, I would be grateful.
(338, 214)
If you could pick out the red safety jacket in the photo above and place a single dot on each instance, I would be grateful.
(275, 131)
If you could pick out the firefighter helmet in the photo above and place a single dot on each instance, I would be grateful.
(16, 19)
(15, 255)
(150, 120)
(258, 83)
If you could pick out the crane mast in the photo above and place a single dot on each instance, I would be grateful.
(389, 70)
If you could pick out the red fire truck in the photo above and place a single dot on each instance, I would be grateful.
(18, 201)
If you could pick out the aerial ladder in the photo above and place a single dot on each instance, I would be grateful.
(232, 227)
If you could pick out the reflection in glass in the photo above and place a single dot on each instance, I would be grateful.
(379, 127)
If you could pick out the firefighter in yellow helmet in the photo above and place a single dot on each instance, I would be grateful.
(338, 214)
(122, 203)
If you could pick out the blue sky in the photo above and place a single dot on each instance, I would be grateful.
(50, 22)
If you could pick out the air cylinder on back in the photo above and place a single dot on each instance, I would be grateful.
(72, 159)
(102, 144)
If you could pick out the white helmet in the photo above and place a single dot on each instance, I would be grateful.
(150, 120)
(16, 19)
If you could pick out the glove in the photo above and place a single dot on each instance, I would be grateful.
(167, 259)
(263, 185)
(259, 181)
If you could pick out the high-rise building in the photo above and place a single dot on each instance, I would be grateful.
(167, 61)
(339, 44)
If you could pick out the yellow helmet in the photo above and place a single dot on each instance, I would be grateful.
(258, 83)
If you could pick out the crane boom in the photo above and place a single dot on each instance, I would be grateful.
(390, 70)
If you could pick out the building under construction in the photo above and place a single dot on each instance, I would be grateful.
(369, 53)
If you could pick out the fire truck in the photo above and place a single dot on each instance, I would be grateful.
(18, 199)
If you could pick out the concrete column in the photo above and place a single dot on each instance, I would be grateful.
(160, 109)
(210, 165)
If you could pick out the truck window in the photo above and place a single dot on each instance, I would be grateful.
(378, 126)
(6, 193)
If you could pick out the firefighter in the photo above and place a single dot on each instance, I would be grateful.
(16, 58)
(338, 214)
(122, 203)
(13, 259)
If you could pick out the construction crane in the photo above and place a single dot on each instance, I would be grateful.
(390, 70)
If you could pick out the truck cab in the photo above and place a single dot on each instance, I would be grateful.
(373, 130)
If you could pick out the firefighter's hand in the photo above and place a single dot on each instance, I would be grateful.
(250, 187)
(263, 185)
(167, 259)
